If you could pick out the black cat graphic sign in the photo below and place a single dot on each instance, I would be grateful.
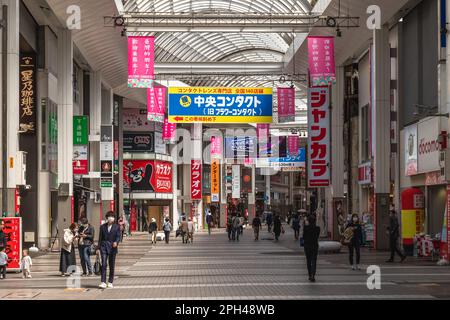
(148, 176)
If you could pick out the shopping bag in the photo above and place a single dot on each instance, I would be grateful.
(97, 266)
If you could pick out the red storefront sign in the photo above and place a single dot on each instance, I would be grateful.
(365, 173)
(141, 61)
(196, 180)
(148, 176)
(156, 103)
(286, 104)
(318, 137)
(13, 233)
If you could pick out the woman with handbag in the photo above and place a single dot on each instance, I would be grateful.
(85, 244)
(354, 243)
(67, 258)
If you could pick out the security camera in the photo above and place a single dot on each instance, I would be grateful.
(27, 187)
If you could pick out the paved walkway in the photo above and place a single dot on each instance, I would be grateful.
(214, 268)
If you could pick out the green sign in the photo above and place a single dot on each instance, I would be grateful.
(80, 130)
(106, 183)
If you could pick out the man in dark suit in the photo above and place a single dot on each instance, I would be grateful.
(108, 241)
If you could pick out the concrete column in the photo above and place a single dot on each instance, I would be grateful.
(65, 124)
(381, 132)
(9, 101)
(95, 118)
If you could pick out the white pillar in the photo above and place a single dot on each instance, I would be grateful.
(12, 97)
(381, 124)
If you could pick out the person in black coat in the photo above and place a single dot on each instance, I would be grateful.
(355, 242)
(277, 226)
(311, 234)
(108, 241)
(394, 233)
(86, 239)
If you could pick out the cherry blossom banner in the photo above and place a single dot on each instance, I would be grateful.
(156, 103)
(318, 137)
(141, 62)
(293, 145)
(321, 61)
(286, 105)
(169, 131)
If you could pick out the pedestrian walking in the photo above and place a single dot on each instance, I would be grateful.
(277, 227)
(235, 228)
(3, 263)
(152, 230)
(184, 230)
(209, 221)
(311, 233)
(121, 223)
(167, 228)
(229, 226)
(256, 224)
(67, 258)
(108, 242)
(296, 226)
(86, 240)
(25, 264)
(354, 245)
(394, 233)
(191, 229)
(269, 221)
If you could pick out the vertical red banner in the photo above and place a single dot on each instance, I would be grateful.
(141, 62)
(156, 103)
(293, 145)
(196, 179)
(169, 130)
(321, 61)
(286, 104)
(133, 220)
(13, 232)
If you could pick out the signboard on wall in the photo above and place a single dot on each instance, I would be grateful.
(135, 120)
(141, 61)
(106, 156)
(410, 141)
(220, 105)
(13, 233)
(139, 142)
(236, 182)
(80, 160)
(215, 180)
(160, 146)
(428, 145)
(240, 147)
(27, 91)
(196, 179)
(148, 176)
(318, 137)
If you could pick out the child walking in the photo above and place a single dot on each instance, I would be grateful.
(26, 264)
(3, 263)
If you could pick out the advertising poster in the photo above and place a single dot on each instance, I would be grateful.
(13, 233)
(220, 105)
(141, 61)
(321, 61)
(148, 176)
(80, 160)
(318, 137)
(247, 180)
(410, 140)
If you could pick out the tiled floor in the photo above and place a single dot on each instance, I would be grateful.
(215, 268)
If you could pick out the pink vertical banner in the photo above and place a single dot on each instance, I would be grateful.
(293, 145)
(156, 103)
(216, 147)
(321, 61)
(169, 130)
(286, 105)
(141, 62)
(263, 133)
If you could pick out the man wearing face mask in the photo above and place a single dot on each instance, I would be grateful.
(107, 244)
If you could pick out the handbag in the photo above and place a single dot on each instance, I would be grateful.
(177, 233)
(347, 236)
(97, 266)
(92, 250)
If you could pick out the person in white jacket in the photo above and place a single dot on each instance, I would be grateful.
(68, 250)
(25, 265)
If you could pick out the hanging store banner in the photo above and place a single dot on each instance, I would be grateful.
(160, 146)
(139, 142)
(293, 145)
(80, 160)
(27, 99)
(410, 141)
(141, 62)
(220, 105)
(215, 180)
(240, 147)
(286, 105)
(236, 182)
(80, 130)
(318, 137)
(169, 131)
(216, 147)
(156, 103)
(196, 180)
(135, 120)
(147, 176)
(429, 148)
(321, 61)
(263, 133)
(106, 156)
(13, 234)
(247, 181)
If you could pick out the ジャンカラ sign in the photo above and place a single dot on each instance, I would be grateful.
(220, 105)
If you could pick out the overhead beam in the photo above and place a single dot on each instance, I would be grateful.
(214, 67)
(226, 23)
(217, 77)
